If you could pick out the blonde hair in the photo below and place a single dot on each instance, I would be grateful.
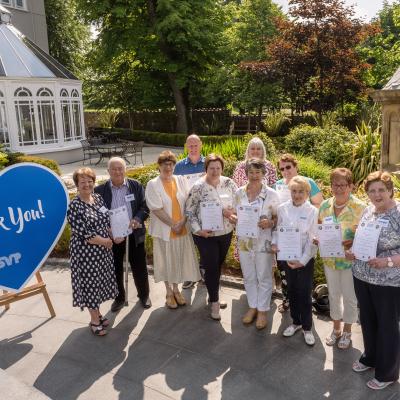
(258, 142)
(300, 181)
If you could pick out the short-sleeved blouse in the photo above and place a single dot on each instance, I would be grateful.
(201, 192)
(388, 246)
(240, 178)
(348, 219)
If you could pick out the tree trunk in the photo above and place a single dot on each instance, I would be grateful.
(181, 125)
(180, 98)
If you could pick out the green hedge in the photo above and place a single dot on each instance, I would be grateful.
(16, 158)
(166, 139)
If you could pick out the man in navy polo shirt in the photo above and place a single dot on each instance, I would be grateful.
(193, 165)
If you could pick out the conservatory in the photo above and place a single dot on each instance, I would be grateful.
(41, 109)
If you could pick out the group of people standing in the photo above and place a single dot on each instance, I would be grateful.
(176, 202)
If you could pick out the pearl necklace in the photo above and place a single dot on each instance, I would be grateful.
(339, 207)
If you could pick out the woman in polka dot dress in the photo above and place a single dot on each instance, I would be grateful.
(92, 268)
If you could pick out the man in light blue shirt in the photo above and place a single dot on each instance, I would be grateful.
(192, 164)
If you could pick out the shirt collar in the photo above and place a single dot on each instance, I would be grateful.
(118, 187)
(188, 161)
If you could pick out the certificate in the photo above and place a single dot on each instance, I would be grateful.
(283, 192)
(191, 179)
(330, 240)
(289, 243)
(247, 225)
(119, 219)
(366, 240)
(211, 216)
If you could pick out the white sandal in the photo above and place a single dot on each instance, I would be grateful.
(333, 337)
(344, 341)
(377, 385)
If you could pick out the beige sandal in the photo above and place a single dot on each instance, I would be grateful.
(248, 318)
(333, 337)
(344, 341)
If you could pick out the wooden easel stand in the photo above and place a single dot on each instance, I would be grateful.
(38, 288)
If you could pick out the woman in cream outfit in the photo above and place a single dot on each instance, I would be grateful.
(175, 260)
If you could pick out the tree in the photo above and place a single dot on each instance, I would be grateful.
(69, 37)
(249, 25)
(382, 50)
(315, 56)
(176, 40)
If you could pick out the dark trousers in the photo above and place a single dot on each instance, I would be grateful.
(213, 251)
(282, 272)
(300, 284)
(137, 260)
(380, 317)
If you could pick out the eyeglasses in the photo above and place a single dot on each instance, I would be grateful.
(287, 167)
(380, 191)
(343, 186)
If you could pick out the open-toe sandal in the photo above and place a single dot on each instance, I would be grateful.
(378, 385)
(98, 329)
(104, 321)
(344, 341)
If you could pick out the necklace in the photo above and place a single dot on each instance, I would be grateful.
(341, 206)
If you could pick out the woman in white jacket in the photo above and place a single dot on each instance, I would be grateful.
(299, 213)
(175, 259)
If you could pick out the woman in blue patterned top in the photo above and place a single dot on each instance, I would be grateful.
(377, 285)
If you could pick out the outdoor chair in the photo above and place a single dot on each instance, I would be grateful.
(89, 151)
(133, 149)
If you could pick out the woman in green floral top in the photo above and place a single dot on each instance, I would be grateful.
(344, 209)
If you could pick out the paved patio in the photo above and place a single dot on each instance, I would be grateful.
(150, 154)
(171, 354)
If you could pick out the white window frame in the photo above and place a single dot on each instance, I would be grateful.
(13, 4)
(4, 130)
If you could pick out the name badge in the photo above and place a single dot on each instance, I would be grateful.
(384, 223)
(104, 210)
(129, 197)
(328, 220)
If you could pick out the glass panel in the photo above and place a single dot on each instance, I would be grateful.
(47, 122)
(22, 92)
(76, 111)
(20, 3)
(4, 139)
(74, 93)
(66, 114)
(7, 2)
(44, 92)
(63, 93)
(26, 122)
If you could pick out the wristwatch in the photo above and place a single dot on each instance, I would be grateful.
(389, 262)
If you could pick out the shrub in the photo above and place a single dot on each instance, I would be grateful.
(143, 174)
(365, 152)
(15, 158)
(274, 122)
(314, 169)
(304, 139)
(61, 249)
(3, 159)
(329, 144)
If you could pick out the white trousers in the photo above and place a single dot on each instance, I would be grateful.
(342, 298)
(257, 276)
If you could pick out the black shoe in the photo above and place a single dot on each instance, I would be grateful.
(117, 305)
(146, 303)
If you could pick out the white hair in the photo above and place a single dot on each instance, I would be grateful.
(258, 142)
(116, 159)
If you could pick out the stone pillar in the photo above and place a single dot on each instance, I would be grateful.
(390, 147)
